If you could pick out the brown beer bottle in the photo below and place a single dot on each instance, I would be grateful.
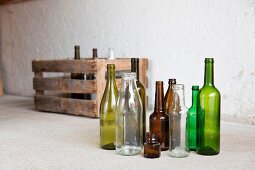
(168, 100)
(79, 76)
(152, 146)
(159, 121)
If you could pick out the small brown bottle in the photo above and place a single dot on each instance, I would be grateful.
(168, 100)
(152, 146)
(159, 121)
(79, 76)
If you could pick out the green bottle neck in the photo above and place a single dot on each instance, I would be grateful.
(110, 77)
(209, 79)
(194, 97)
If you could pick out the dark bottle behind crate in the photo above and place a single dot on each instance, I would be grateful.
(91, 76)
(168, 100)
(141, 91)
(192, 120)
(152, 146)
(108, 111)
(208, 116)
(159, 121)
(79, 76)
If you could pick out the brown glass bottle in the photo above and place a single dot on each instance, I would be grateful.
(168, 100)
(159, 121)
(141, 91)
(152, 146)
(79, 76)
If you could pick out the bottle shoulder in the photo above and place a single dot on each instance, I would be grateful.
(209, 90)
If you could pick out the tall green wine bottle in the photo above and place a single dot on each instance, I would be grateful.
(192, 120)
(107, 111)
(208, 117)
(141, 91)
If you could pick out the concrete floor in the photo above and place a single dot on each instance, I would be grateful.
(38, 140)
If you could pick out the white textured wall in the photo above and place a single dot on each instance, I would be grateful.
(176, 35)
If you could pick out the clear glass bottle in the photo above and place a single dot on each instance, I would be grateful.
(108, 111)
(159, 121)
(110, 54)
(208, 116)
(152, 146)
(129, 122)
(192, 120)
(141, 91)
(168, 100)
(177, 123)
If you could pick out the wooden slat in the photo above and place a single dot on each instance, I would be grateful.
(66, 105)
(65, 85)
(39, 75)
(143, 67)
(1, 85)
(120, 64)
(66, 66)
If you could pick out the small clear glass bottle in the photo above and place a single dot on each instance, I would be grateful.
(152, 146)
(110, 54)
(129, 121)
(177, 124)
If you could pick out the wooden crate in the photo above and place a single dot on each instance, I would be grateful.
(61, 103)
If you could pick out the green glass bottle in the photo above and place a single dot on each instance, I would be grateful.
(107, 111)
(141, 91)
(208, 116)
(192, 120)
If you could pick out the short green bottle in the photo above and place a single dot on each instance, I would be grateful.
(208, 116)
(108, 111)
(192, 120)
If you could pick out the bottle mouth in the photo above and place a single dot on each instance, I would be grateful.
(178, 87)
(195, 87)
(110, 66)
(172, 81)
(128, 76)
(134, 60)
(209, 60)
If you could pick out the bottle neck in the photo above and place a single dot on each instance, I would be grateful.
(77, 53)
(110, 76)
(194, 97)
(209, 79)
(178, 97)
(94, 53)
(135, 68)
(159, 97)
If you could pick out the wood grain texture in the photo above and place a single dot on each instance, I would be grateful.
(1, 85)
(66, 105)
(65, 66)
(65, 85)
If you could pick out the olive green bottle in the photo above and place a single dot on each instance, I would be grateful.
(107, 111)
(168, 100)
(141, 91)
(208, 116)
(192, 120)
(79, 76)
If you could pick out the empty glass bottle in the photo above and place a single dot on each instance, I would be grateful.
(129, 121)
(192, 120)
(152, 146)
(141, 91)
(208, 116)
(159, 121)
(108, 111)
(177, 130)
(110, 54)
(79, 76)
(168, 100)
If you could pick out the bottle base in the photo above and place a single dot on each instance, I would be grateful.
(128, 150)
(109, 146)
(179, 153)
(207, 150)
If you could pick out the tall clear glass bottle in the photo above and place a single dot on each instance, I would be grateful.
(141, 91)
(79, 76)
(208, 116)
(129, 122)
(168, 100)
(108, 111)
(192, 120)
(110, 54)
(177, 130)
(159, 121)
